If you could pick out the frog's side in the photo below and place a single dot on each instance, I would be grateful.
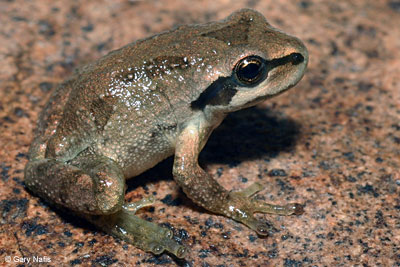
(151, 99)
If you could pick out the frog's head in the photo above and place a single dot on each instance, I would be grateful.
(261, 62)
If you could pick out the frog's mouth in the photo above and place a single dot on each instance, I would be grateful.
(221, 91)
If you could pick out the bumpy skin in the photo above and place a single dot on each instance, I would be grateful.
(157, 97)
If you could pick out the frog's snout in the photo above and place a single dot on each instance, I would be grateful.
(296, 58)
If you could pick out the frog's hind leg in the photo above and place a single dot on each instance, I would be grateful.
(141, 233)
(91, 184)
(93, 187)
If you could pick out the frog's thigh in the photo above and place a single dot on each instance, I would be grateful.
(90, 184)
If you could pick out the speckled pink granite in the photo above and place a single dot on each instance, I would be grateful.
(333, 142)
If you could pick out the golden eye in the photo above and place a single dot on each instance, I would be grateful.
(250, 70)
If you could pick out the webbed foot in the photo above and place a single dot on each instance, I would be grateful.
(241, 207)
(141, 233)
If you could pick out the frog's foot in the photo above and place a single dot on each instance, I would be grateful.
(242, 208)
(141, 233)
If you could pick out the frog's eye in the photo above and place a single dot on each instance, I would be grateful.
(250, 70)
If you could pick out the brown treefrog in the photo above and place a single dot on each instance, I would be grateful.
(157, 97)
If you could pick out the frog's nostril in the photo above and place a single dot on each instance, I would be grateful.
(296, 58)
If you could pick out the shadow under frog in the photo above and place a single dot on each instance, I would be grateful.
(254, 133)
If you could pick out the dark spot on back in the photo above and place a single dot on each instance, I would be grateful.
(102, 109)
(235, 34)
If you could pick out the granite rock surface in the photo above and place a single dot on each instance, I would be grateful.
(332, 142)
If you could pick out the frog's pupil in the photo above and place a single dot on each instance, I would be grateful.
(249, 71)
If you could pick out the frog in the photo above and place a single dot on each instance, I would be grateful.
(158, 97)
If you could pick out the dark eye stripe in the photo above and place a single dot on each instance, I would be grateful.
(248, 72)
(294, 58)
(220, 92)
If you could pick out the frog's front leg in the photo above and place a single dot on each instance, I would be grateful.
(93, 187)
(208, 193)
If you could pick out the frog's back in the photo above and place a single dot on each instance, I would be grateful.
(130, 104)
(118, 106)
(99, 110)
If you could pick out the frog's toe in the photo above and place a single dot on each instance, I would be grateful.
(166, 243)
(141, 233)
(147, 235)
(296, 208)
(251, 190)
(288, 209)
(262, 207)
(262, 228)
(135, 206)
(161, 239)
